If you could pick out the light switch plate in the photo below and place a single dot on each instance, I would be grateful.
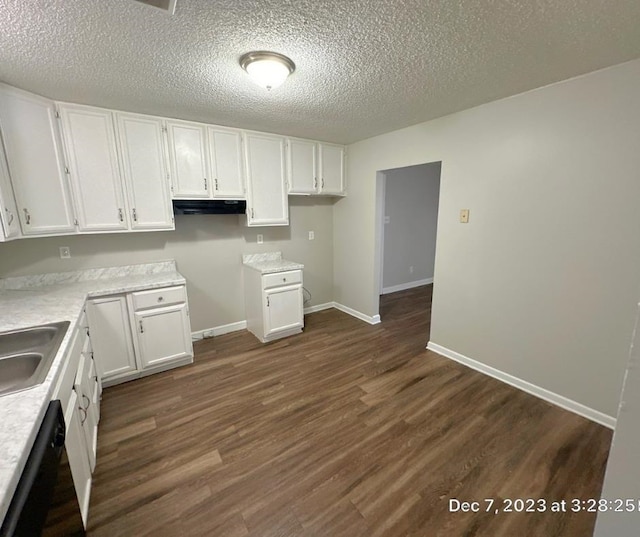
(260, 238)
(312, 235)
(464, 216)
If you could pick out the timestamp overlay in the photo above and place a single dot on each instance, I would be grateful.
(543, 505)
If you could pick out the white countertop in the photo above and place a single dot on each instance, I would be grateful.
(36, 300)
(270, 262)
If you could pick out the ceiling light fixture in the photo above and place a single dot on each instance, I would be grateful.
(267, 69)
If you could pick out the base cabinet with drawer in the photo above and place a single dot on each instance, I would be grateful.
(140, 333)
(79, 390)
(274, 303)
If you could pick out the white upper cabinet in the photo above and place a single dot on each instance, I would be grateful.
(266, 190)
(9, 225)
(331, 169)
(90, 141)
(188, 156)
(302, 169)
(225, 156)
(144, 166)
(36, 163)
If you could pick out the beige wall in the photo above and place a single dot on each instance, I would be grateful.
(541, 284)
(208, 250)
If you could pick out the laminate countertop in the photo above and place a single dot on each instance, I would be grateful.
(269, 262)
(43, 299)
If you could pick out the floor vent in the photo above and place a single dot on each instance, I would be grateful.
(165, 5)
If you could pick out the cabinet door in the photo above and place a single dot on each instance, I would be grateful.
(283, 309)
(302, 175)
(143, 150)
(227, 170)
(111, 337)
(83, 386)
(331, 169)
(36, 163)
(90, 141)
(163, 335)
(266, 192)
(188, 156)
(8, 208)
(75, 446)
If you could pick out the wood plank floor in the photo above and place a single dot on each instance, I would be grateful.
(345, 430)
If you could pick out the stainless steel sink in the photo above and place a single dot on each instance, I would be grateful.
(26, 355)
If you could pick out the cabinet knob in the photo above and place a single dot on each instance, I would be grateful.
(284, 279)
(160, 299)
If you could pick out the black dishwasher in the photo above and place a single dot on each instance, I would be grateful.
(30, 504)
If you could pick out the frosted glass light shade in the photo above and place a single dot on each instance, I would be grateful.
(267, 69)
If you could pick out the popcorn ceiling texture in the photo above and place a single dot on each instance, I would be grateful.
(363, 68)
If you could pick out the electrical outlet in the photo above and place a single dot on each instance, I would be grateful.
(464, 216)
(411, 270)
(260, 238)
(65, 252)
(312, 235)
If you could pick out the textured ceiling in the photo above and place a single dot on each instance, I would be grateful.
(363, 67)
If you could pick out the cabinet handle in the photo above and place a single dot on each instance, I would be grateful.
(323, 182)
(27, 216)
(267, 302)
(10, 216)
(88, 402)
(82, 420)
(141, 328)
(284, 279)
(315, 182)
(120, 215)
(216, 183)
(205, 183)
(252, 213)
(160, 298)
(135, 215)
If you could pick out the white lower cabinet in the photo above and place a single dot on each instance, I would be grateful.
(78, 390)
(274, 303)
(163, 335)
(75, 445)
(111, 337)
(140, 333)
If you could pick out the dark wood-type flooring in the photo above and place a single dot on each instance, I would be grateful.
(345, 430)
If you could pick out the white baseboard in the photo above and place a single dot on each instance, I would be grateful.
(357, 314)
(404, 286)
(218, 330)
(318, 307)
(542, 393)
(241, 325)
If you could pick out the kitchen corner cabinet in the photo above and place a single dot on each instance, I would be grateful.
(36, 163)
(273, 303)
(90, 143)
(9, 225)
(331, 166)
(111, 338)
(315, 168)
(267, 203)
(188, 158)
(140, 333)
(146, 173)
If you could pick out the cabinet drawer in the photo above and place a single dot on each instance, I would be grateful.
(67, 378)
(278, 279)
(158, 297)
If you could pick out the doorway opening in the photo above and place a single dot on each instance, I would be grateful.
(407, 202)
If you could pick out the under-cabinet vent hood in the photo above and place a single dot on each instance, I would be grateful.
(209, 206)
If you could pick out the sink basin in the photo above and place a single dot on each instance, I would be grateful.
(26, 355)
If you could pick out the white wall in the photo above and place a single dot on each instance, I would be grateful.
(622, 479)
(411, 205)
(208, 250)
(541, 283)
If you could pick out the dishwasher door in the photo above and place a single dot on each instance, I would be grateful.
(28, 509)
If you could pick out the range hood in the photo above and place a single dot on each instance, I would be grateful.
(209, 206)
